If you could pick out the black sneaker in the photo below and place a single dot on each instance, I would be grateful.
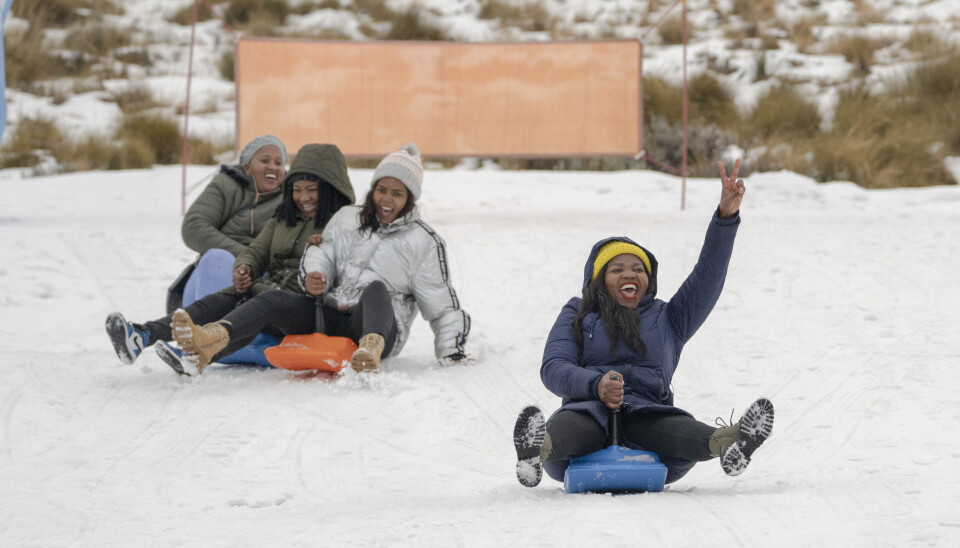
(528, 436)
(755, 427)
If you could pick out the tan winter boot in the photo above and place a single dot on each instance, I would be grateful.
(367, 357)
(201, 343)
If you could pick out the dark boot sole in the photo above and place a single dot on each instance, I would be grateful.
(170, 359)
(755, 427)
(528, 434)
(117, 331)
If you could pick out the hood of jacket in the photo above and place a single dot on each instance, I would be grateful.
(588, 268)
(236, 173)
(325, 162)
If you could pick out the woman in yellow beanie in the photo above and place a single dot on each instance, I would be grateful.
(618, 347)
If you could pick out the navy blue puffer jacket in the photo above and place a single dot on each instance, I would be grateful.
(573, 373)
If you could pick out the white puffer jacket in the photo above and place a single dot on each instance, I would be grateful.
(408, 257)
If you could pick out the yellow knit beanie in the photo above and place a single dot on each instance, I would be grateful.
(612, 249)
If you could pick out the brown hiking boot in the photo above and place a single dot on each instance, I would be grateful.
(367, 356)
(201, 343)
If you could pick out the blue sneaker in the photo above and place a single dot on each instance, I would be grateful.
(128, 339)
(174, 357)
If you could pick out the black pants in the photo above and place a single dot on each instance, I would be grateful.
(289, 313)
(680, 440)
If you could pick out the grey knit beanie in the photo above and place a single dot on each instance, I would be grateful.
(404, 165)
(262, 141)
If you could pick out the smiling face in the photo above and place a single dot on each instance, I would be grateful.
(626, 280)
(266, 168)
(306, 195)
(389, 197)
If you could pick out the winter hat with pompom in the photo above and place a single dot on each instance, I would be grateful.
(404, 165)
(262, 141)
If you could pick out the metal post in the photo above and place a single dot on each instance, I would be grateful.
(683, 161)
(184, 152)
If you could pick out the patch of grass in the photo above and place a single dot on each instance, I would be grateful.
(97, 39)
(309, 7)
(938, 82)
(894, 161)
(671, 31)
(200, 152)
(60, 13)
(87, 154)
(527, 15)
(760, 66)
(27, 60)
(378, 10)
(783, 112)
(801, 32)
(857, 50)
(710, 103)
(134, 56)
(227, 65)
(409, 26)
(134, 99)
(133, 153)
(928, 45)
(326, 34)
(661, 99)
(161, 135)
(710, 115)
(259, 14)
(30, 137)
(185, 15)
(866, 13)
(753, 11)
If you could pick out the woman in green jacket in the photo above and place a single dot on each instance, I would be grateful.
(229, 213)
(265, 291)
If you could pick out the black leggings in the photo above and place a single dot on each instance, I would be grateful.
(679, 440)
(290, 313)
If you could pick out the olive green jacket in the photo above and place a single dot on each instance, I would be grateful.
(228, 214)
(276, 252)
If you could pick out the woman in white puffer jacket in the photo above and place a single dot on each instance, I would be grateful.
(377, 263)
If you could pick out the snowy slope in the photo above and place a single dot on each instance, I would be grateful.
(841, 305)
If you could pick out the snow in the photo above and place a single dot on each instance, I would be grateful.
(841, 306)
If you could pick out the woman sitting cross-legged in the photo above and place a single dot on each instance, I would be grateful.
(265, 290)
(378, 263)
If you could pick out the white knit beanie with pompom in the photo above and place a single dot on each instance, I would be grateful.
(404, 165)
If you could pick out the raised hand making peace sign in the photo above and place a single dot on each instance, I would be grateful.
(733, 191)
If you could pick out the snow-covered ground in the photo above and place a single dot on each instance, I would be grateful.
(841, 305)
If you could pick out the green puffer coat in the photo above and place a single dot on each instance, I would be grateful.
(278, 248)
(276, 251)
(229, 213)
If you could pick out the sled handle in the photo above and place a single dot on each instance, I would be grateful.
(614, 422)
(319, 302)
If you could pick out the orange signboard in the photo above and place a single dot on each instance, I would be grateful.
(544, 99)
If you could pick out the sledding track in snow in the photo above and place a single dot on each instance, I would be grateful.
(841, 306)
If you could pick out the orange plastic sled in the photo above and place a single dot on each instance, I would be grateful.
(315, 351)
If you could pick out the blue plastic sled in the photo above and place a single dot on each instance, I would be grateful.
(253, 352)
(213, 273)
(615, 469)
